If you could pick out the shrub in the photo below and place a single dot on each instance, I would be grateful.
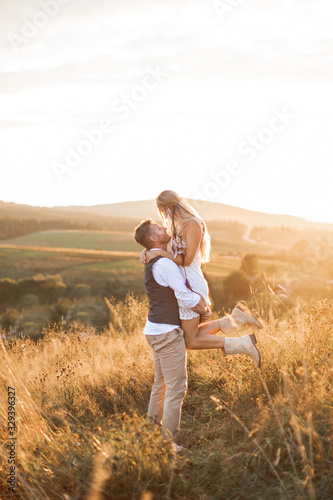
(250, 265)
(236, 285)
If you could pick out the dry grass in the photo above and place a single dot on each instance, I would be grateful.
(82, 398)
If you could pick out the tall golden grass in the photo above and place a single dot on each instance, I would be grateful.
(81, 402)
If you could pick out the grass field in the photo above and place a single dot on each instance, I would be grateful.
(89, 240)
(35, 259)
(81, 402)
(123, 241)
(109, 252)
(115, 269)
(109, 261)
(108, 273)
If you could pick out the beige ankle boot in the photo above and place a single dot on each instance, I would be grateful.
(242, 315)
(243, 345)
(228, 324)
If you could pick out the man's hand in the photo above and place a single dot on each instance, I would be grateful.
(205, 317)
(200, 308)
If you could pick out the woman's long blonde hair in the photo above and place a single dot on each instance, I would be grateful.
(175, 213)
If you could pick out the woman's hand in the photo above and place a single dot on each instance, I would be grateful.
(146, 255)
(143, 256)
(151, 255)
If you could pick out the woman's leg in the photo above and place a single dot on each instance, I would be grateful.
(197, 337)
(201, 337)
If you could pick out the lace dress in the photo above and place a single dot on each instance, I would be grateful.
(198, 284)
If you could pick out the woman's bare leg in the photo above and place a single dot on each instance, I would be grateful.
(197, 337)
(209, 328)
(201, 337)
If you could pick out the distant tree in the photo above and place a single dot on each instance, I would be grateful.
(81, 290)
(29, 300)
(48, 288)
(53, 288)
(237, 284)
(9, 317)
(8, 292)
(31, 284)
(62, 306)
(250, 265)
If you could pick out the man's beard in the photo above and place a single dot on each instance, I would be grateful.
(166, 239)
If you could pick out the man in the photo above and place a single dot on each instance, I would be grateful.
(165, 284)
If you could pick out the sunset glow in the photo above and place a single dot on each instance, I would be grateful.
(224, 72)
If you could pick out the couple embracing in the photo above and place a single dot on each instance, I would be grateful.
(179, 306)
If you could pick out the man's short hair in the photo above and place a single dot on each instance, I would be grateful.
(143, 232)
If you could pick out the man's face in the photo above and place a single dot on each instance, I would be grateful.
(159, 234)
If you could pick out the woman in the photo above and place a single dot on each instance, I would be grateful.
(189, 248)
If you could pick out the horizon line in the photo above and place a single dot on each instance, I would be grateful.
(188, 198)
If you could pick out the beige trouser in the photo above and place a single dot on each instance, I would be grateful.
(170, 382)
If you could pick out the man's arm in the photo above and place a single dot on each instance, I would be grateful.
(167, 273)
(202, 309)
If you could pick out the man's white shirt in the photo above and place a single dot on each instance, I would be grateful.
(167, 273)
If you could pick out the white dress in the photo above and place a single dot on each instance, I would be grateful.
(197, 282)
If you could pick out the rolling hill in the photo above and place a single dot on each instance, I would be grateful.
(137, 210)
(209, 211)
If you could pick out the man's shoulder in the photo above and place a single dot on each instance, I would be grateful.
(166, 264)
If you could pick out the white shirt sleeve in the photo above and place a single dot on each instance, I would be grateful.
(167, 273)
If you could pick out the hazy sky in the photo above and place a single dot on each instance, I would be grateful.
(229, 101)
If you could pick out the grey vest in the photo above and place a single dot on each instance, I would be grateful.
(163, 305)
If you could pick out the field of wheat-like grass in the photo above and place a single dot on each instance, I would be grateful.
(81, 402)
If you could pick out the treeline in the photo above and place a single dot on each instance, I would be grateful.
(29, 303)
(18, 226)
(10, 226)
(15, 225)
(45, 288)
